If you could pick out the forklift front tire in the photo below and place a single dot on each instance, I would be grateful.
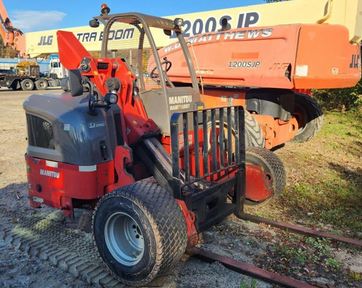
(139, 231)
(272, 166)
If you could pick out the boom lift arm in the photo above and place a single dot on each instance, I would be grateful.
(11, 36)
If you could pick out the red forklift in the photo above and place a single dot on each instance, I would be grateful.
(154, 165)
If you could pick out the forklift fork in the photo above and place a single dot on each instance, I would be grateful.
(206, 166)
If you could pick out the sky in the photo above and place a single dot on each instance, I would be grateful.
(37, 15)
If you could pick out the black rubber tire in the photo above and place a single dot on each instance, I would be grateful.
(254, 137)
(27, 85)
(162, 225)
(309, 115)
(41, 84)
(272, 166)
(15, 86)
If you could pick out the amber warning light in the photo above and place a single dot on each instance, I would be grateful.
(105, 9)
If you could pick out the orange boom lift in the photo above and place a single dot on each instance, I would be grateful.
(11, 36)
(270, 71)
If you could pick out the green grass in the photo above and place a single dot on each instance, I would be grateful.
(248, 284)
(336, 202)
(296, 253)
(325, 190)
(341, 126)
(325, 177)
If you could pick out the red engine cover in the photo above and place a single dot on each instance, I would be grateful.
(55, 183)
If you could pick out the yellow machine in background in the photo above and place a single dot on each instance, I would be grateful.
(28, 68)
(344, 12)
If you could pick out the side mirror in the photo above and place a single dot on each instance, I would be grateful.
(111, 98)
(75, 83)
(94, 23)
(167, 32)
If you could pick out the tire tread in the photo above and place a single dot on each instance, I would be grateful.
(315, 117)
(254, 136)
(166, 220)
(275, 164)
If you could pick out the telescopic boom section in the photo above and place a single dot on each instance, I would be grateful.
(10, 35)
(298, 56)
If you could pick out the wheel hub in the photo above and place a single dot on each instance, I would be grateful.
(124, 239)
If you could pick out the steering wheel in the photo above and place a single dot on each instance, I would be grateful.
(165, 65)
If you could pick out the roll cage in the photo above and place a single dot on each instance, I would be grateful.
(144, 24)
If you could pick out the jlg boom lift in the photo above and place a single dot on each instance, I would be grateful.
(97, 146)
(269, 70)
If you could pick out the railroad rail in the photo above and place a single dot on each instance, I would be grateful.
(254, 271)
(248, 269)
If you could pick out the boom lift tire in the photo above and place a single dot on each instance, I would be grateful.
(309, 115)
(273, 168)
(27, 85)
(253, 134)
(139, 231)
(41, 84)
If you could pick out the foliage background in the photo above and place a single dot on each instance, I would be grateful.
(337, 99)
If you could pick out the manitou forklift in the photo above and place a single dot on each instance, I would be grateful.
(154, 165)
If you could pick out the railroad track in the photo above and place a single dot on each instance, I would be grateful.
(44, 235)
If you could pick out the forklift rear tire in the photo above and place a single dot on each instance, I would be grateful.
(41, 84)
(309, 116)
(139, 231)
(272, 166)
(27, 85)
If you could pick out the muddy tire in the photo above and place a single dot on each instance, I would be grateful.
(139, 231)
(27, 85)
(272, 166)
(41, 84)
(309, 116)
(254, 137)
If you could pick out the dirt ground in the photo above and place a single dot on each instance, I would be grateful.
(236, 238)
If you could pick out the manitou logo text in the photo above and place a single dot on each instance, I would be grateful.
(48, 173)
(180, 102)
(180, 99)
